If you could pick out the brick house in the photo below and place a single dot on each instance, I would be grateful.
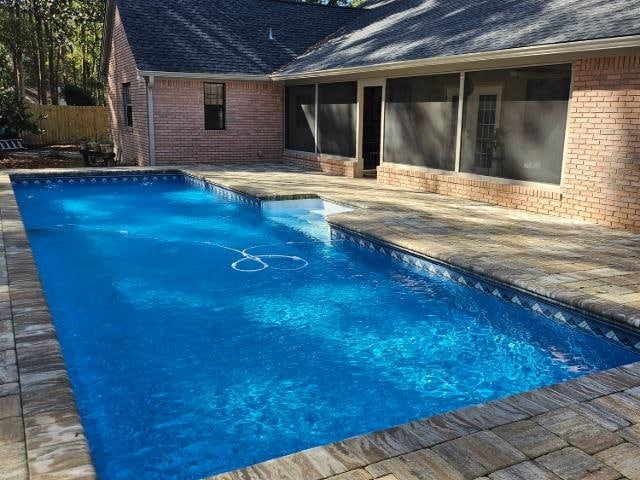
(528, 104)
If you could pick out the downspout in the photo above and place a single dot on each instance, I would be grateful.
(150, 122)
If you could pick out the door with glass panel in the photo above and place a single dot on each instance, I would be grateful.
(483, 129)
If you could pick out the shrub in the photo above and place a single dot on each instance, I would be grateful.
(75, 95)
(14, 117)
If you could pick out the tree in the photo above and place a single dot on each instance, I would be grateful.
(75, 95)
(14, 117)
(59, 41)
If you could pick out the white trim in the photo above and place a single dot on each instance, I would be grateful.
(359, 127)
(206, 76)
(459, 123)
(566, 126)
(362, 84)
(382, 118)
(315, 121)
(150, 122)
(583, 46)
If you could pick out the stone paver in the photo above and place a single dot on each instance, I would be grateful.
(524, 471)
(479, 453)
(577, 430)
(631, 434)
(625, 458)
(573, 464)
(530, 438)
(588, 428)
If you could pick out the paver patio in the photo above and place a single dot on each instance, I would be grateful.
(592, 268)
(585, 428)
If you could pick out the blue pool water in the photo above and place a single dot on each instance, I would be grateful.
(202, 335)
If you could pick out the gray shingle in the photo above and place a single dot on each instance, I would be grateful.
(225, 36)
(399, 30)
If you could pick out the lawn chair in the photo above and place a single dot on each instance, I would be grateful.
(11, 144)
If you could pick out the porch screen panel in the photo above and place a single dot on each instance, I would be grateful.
(300, 113)
(514, 122)
(421, 121)
(337, 112)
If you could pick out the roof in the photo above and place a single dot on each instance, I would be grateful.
(404, 30)
(225, 36)
(231, 37)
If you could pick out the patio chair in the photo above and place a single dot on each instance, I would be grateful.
(11, 144)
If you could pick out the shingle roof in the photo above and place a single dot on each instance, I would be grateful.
(225, 36)
(399, 30)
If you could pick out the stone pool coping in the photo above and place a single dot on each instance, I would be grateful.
(43, 436)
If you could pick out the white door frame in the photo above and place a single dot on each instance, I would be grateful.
(371, 82)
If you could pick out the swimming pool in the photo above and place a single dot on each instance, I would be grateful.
(192, 352)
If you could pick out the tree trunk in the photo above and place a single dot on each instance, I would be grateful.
(41, 57)
(53, 89)
(84, 57)
(15, 47)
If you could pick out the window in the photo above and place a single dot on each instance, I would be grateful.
(214, 100)
(337, 112)
(128, 104)
(300, 113)
(421, 121)
(514, 122)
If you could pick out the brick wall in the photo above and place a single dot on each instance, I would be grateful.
(601, 181)
(542, 200)
(133, 142)
(323, 163)
(254, 130)
(602, 163)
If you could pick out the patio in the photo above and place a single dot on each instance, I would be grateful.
(586, 428)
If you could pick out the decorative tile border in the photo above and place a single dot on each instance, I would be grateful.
(92, 178)
(223, 192)
(95, 179)
(546, 308)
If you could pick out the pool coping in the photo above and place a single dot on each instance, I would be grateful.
(54, 438)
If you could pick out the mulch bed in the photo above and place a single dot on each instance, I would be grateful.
(60, 156)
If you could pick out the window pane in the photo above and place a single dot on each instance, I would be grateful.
(214, 106)
(127, 104)
(421, 121)
(514, 122)
(337, 112)
(214, 94)
(300, 111)
(129, 112)
(214, 117)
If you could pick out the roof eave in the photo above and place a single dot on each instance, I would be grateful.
(582, 46)
(206, 76)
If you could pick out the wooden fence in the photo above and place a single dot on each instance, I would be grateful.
(65, 125)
